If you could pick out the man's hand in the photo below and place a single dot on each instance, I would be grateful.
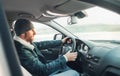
(71, 56)
(66, 40)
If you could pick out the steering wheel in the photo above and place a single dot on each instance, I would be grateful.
(69, 46)
(73, 45)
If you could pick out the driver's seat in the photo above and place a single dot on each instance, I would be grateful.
(25, 72)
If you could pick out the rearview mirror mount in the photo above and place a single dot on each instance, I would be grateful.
(73, 18)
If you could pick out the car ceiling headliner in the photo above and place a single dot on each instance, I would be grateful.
(33, 9)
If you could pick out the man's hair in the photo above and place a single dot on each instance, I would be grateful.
(22, 26)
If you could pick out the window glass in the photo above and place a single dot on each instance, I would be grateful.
(99, 24)
(44, 32)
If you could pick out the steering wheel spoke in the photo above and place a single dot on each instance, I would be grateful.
(69, 46)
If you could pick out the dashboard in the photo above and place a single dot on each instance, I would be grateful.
(99, 59)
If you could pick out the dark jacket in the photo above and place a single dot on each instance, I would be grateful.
(34, 61)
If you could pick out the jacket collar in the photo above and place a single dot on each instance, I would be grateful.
(23, 42)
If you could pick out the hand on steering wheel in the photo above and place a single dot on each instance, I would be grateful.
(70, 43)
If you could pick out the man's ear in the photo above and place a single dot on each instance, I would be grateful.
(22, 36)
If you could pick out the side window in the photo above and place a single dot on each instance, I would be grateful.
(44, 32)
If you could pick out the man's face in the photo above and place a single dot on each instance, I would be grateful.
(29, 35)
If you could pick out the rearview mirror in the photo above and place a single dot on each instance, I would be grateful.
(73, 18)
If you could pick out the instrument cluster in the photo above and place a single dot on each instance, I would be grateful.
(83, 48)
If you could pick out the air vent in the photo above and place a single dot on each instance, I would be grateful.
(93, 58)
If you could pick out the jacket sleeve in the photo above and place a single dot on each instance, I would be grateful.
(34, 66)
(48, 44)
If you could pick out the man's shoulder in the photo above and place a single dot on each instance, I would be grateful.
(17, 43)
(20, 47)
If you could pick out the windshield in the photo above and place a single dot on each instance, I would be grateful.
(100, 24)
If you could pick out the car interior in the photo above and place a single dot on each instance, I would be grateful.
(94, 58)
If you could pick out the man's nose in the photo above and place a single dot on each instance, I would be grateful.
(34, 32)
